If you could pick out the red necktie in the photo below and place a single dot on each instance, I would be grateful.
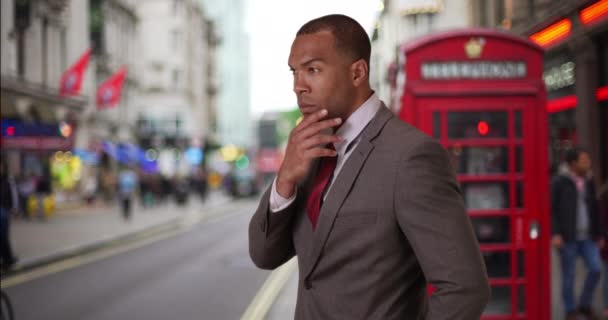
(326, 170)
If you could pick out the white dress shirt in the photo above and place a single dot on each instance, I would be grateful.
(350, 131)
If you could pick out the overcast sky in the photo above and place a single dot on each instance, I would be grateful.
(272, 25)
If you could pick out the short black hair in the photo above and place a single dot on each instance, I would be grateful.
(573, 154)
(350, 36)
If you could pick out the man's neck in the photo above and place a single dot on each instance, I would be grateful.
(576, 174)
(360, 98)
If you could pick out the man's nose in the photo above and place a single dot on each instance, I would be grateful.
(299, 85)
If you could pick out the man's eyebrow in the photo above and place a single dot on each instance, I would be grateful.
(307, 62)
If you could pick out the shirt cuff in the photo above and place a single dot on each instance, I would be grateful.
(278, 202)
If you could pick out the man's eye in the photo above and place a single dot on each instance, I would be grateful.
(313, 70)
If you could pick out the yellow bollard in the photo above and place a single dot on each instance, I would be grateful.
(32, 206)
(48, 204)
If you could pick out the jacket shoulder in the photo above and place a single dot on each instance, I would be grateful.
(560, 180)
(407, 139)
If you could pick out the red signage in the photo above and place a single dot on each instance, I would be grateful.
(37, 143)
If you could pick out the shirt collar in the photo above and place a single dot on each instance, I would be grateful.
(356, 122)
(578, 180)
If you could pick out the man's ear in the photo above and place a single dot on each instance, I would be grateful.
(360, 72)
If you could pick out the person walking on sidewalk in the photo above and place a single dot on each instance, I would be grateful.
(369, 204)
(603, 197)
(44, 190)
(127, 183)
(7, 204)
(576, 230)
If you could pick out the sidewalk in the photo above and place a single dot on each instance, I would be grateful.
(556, 298)
(73, 230)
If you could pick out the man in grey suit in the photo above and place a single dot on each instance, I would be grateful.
(368, 204)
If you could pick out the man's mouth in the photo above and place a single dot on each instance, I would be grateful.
(308, 108)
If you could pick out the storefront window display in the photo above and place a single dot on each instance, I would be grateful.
(66, 170)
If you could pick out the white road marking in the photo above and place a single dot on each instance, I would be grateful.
(263, 300)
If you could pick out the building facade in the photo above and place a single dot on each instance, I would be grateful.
(176, 106)
(574, 35)
(113, 36)
(400, 22)
(40, 39)
(234, 125)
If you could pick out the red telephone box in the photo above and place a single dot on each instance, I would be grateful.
(481, 93)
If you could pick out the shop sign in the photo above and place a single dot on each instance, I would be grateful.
(559, 77)
(449, 70)
(559, 74)
(37, 143)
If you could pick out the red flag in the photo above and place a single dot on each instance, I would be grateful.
(71, 80)
(108, 94)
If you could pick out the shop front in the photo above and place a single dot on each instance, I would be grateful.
(575, 72)
(38, 133)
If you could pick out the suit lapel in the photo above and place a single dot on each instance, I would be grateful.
(343, 184)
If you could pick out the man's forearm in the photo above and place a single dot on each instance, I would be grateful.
(270, 235)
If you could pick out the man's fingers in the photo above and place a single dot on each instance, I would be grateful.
(317, 127)
(320, 140)
(311, 119)
(320, 152)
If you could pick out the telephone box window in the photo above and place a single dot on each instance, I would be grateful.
(480, 160)
(500, 301)
(437, 125)
(498, 264)
(492, 229)
(466, 125)
(517, 123)
(486, 196)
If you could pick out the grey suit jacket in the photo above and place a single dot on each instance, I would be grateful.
(393, 221)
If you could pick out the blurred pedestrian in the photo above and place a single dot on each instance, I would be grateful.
(576, 231)
(145, 190)
(7, 205)
(90, 189)
(127, 183)
(369, 204)
(108, 184)
(43, 190)
(603, 198)
(27, 189)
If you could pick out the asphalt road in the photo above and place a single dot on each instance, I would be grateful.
(203, 272)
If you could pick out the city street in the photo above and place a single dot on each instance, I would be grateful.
(201, 272)
(137, 137)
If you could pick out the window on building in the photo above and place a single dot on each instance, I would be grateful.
(483, 16)
(176, 39)
(499, 12)
(63, 48)
(45, 49)
(531, 9)
(22, 19)
(176, 78)
(176, 6)
(96, 25)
